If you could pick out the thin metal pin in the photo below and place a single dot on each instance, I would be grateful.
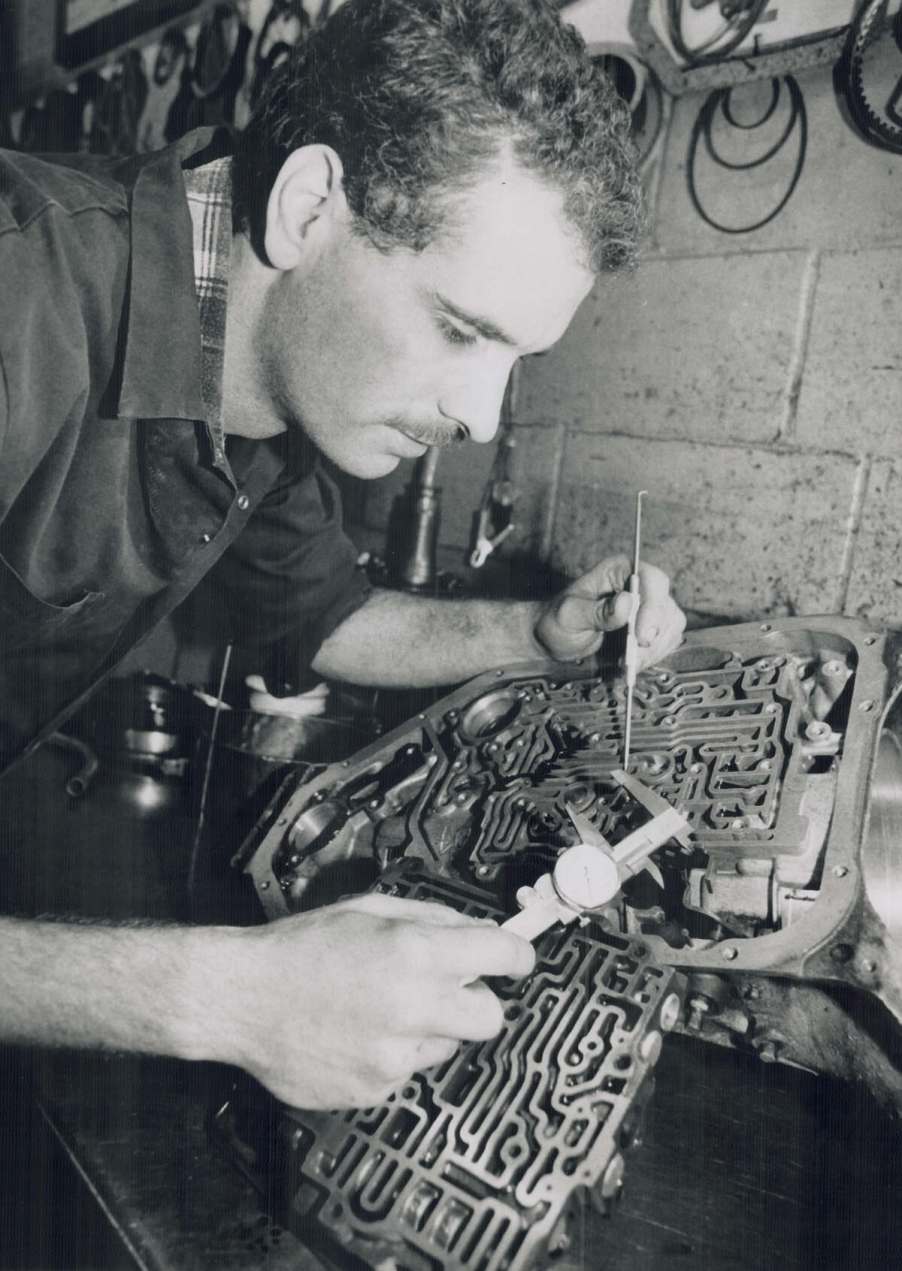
(208, 768)
(632, 652)
(637, 533)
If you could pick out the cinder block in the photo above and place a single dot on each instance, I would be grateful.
(695, 349)
(851, 392)
(741, 531)
(848, 193)
(875, 587)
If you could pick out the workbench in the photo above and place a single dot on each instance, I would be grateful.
(744, 1165)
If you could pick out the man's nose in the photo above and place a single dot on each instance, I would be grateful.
(476, 403)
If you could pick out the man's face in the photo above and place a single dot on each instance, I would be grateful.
(378, 355)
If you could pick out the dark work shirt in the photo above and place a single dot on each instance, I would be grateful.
(114, 502)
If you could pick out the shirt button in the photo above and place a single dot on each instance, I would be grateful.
(205, 538)
(243, 502)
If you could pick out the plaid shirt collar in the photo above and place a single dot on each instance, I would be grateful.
(209, 191)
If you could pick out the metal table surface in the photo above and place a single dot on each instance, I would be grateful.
(743, 1166)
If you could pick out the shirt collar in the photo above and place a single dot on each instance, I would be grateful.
(209, 192)
(162, 366)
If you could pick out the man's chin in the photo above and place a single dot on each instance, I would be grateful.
(371, 467)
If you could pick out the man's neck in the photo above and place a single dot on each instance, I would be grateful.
(248, 409)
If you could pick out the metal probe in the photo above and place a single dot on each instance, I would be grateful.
(631, 658)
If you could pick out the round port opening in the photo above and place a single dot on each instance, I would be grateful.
(489, 714)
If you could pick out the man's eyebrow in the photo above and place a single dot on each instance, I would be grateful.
(484, 326)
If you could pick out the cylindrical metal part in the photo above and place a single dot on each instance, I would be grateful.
(415, 568)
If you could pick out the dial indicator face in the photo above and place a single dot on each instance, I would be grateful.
(585, 877)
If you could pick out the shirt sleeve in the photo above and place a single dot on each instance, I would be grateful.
(291, 578)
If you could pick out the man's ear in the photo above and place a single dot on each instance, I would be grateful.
(307, 198)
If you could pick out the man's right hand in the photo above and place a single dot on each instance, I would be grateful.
(337, 1007)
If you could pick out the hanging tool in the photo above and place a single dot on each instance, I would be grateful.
(631, 658)
(587, 876)
(494, 521)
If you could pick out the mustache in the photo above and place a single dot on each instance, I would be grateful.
(429, 434)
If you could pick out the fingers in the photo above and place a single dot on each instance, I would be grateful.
(594, 602)
(397, 988)
(473, 1013)
(613, 612)
(601, 599)
(434, 1050)
(664, 638)
(608, 576)
(468, 1014)
(659, 620)
(391, 1063)
(484, 950)
(656, 606)
(466, 1008)
(436, 990)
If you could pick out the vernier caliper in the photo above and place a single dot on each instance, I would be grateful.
(587, 876)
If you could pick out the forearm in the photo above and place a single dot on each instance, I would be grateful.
(144, 989)
(382, 986)
(397, 640)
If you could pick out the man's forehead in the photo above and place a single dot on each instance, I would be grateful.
(504, 197)
(511, 257)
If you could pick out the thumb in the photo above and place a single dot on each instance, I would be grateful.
(614, 611)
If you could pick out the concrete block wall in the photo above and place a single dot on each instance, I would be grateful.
(751, 383)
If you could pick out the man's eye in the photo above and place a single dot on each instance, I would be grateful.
(454, 335)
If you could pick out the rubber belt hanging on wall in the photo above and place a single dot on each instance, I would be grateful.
(720, 100)
(738, 23)
(883, 130)
(212, 78)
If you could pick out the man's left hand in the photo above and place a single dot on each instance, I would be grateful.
(573, 625)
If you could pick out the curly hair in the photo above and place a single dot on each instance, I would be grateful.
(417, 97)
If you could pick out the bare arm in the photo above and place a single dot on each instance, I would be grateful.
(121, 988)
(396, 640)
(332, 1008)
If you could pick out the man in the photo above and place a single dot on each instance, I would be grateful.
(425, 194)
